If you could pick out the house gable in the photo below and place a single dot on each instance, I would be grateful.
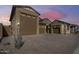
(23, 9)
(59, 22)
(44, 21)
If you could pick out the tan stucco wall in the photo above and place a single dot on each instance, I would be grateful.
(37, 19)
(64, 29)
(14, 23)
(67, 31)
(42, 29)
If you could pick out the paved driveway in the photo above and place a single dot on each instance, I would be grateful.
(49, 43)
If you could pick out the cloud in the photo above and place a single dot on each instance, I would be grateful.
(53, 15)
(4, 20)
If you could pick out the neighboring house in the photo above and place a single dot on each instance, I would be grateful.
(6, 31)
(60, 27)
(1, 31)
(44, 26)
(24, 20)
(74, 28)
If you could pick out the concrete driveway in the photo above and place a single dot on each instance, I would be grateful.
(46, 44)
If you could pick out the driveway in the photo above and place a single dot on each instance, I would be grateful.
(48, 43)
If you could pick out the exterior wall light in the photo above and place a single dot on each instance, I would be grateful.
(18, 23)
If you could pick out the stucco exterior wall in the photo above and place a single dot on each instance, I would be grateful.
(62, 29)
(42, 29)
(68, 30)
(65, 29)
(14, 23)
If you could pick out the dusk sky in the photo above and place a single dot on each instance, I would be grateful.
(61, 12)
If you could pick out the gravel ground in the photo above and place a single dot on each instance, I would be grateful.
(43, 44)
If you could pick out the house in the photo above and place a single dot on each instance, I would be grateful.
(74, 28)
(44, 26)
(6, 30)
(24, 20)
(60, 27)
(1, 31)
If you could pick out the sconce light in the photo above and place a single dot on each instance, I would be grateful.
(18, 23)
